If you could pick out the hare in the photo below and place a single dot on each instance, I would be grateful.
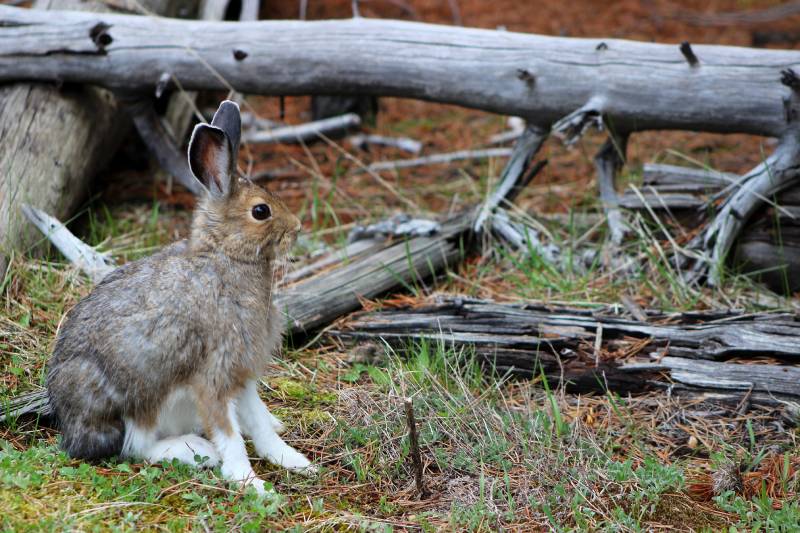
(160, 360)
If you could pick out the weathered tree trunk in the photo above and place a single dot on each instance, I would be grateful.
(711, 352)
(638, 86)
(55, 139)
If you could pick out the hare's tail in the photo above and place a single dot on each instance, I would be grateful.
(87, 412)
(92, 442)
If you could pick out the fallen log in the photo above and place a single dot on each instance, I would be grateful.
(55, 139)
(322, 299)
(693, 352)
(541, 79)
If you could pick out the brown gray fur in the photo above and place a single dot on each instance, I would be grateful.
(198, 314)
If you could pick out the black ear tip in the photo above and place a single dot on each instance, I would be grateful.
(229, 104)
(229, 120)
(227, 111)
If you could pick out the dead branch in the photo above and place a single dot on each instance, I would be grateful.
(416, 457)
(160, 142)
(304, 132)
(92, 263)
(439, 159)
(402, 143)
(515, 174)
(608, 162)
(319, 300)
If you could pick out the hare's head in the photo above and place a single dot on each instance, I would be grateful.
(236, 216)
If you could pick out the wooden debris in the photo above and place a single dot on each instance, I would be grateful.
(759, 97)
(516, 128)
(320, 300)
(710, 352)
(54, 142)
(416, 456)
(92, 263)
(401, 143)
(36, 402)
(304, 132)
(608, 162)
(350, 252)
(439, 159)
(400, 225)
(768, 247)
(515, 175)
(160, 142)
(446, 59)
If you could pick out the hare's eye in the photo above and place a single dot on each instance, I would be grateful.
(261, 212)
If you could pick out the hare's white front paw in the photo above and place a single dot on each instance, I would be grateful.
(278, 452)
(259, 485)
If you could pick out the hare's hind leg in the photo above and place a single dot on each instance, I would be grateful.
(144, 443)
(190, 449)
(258, 423)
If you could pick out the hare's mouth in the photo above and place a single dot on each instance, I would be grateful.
(287, 240)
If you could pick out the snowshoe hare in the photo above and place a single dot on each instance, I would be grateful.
(160, 361)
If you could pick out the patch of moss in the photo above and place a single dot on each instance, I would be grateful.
(305, 393)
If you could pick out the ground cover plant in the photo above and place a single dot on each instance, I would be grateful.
(499, 452)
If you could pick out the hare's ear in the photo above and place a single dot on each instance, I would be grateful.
(228, 119)
(212, 160)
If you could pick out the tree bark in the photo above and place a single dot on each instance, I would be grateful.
(637, 86)
(55, 139)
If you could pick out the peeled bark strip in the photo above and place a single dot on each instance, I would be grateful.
(681, 352)
(541, 79)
